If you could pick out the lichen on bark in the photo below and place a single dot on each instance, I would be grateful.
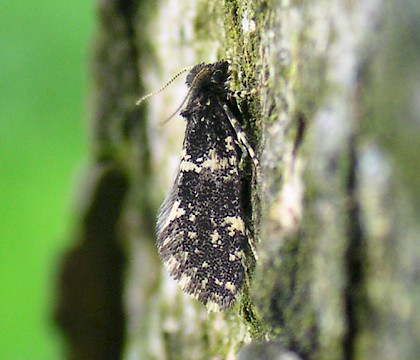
(335, 209)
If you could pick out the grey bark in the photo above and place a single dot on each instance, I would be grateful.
(336, 212)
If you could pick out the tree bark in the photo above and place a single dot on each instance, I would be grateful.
(335, 123)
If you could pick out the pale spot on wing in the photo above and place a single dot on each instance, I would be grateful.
(214, 161)
(213, 306)
(231, 287)
(218, 282)
(185, 280)
(172, 264)
(175, 213)
(215, 237)
(192, 235)
(235, 224)
(189, 166)
(229, 144)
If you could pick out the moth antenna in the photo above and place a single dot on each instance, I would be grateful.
(196, 79)
(178, 108)
(143, 98)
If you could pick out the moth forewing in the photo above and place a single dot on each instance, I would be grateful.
(203, 238)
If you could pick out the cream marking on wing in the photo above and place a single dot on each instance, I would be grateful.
(189, 166)
(192, 235)
(229, 143)
(231, 287)
(175, 213)
(235, 224)
(214, 161)
(215, 237)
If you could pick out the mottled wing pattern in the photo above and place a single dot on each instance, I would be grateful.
(202, 236)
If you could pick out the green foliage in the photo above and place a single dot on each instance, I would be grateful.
(43, 77)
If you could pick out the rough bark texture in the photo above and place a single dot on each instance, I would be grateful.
(336, 126)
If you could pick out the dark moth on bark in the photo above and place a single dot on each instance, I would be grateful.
(202, 234)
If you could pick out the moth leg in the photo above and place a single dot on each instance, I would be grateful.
(248, 92)
(243, 139)
(241, 135)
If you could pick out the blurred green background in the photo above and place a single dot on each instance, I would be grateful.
(43, 107)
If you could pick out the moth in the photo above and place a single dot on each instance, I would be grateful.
(202, 236)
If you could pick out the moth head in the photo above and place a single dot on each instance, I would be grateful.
(220, 72)
(210, 78)
(203, 75)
